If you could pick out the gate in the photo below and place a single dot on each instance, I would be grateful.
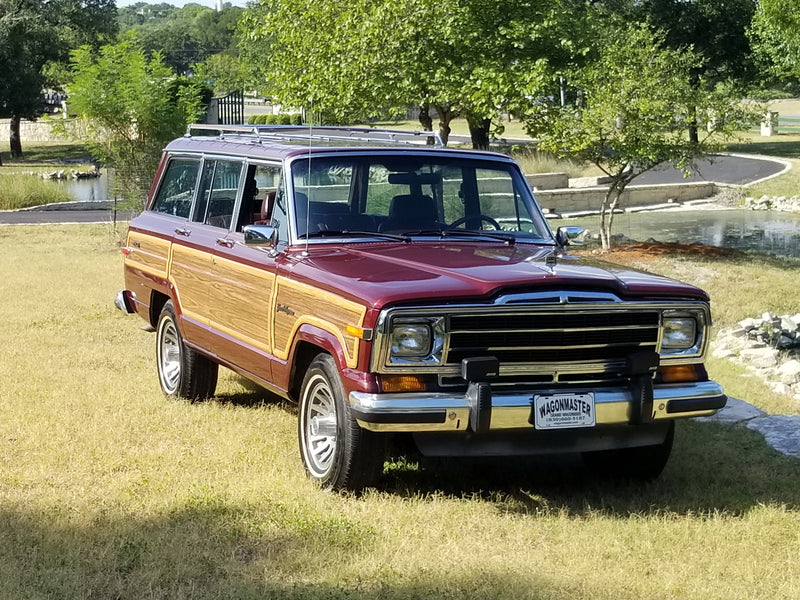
(226, 110)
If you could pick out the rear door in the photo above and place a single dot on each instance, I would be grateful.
(192, 268)
(240, 301)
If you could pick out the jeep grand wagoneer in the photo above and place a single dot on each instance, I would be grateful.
(395, 288)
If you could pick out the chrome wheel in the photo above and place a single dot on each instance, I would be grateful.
(319, 423)
(182, 372)
(337, 454)
(169, 356)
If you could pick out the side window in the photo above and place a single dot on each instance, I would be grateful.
(217, 195)
(174, 196)
(258, 196)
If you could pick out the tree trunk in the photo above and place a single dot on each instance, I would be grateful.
(445, 117)
(425, 117)
(479, 132)
(426, 121)
(15, 142)
(610, 203)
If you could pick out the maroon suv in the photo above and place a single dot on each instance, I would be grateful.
(395, 288)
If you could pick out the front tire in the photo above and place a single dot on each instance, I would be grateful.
(182, 372)
(337, 454)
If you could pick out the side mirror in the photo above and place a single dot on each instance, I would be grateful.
(569, 235)
(261, 236)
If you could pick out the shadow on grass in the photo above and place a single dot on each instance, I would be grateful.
(786, 146)
(218, 550)
(713, 469)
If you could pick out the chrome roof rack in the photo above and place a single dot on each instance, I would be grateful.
(259, 133)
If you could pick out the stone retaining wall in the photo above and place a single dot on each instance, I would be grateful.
(579, 200)
(29, 131)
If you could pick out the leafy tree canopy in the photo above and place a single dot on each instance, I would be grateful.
(184, 35)
(634, 103)
(131, 105)
(355, 59)
(36, 34)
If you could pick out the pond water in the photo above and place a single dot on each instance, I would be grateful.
(772, 232)
(90, 189)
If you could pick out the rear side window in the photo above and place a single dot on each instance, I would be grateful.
(217, 194)
(174, 196)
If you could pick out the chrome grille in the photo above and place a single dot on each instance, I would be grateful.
(595, 338)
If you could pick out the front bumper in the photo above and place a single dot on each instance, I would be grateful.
(429, 412)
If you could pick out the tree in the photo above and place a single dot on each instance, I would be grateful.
(776, 36)
(35, 34)
(716, 30)
(458, 57)
(634, 105)
(131, 105)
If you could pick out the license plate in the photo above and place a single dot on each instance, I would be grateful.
(563, 411)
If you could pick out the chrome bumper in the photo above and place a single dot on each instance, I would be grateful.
(419, 412)
(124, 302)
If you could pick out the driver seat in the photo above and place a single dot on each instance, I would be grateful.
(412, 211)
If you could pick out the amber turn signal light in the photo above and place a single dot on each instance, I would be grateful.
(683, 373)
(403, 383)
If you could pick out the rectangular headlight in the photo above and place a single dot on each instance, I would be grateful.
(411, 340)
(680, 333)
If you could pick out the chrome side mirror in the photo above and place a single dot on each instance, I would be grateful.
(569, 235)
(261, 236)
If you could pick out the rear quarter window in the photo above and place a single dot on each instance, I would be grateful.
(175, 193)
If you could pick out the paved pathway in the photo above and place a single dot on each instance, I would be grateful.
(69, 212)
(733, 169)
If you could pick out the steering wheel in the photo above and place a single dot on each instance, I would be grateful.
(485, 218)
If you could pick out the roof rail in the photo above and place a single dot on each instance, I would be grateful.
(318, 133)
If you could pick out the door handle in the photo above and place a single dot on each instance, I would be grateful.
(185, 232)
(225, 242)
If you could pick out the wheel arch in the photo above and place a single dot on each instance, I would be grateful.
(309, 342)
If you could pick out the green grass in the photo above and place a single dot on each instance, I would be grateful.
(108, 490)
(23, 191)
(45, 155)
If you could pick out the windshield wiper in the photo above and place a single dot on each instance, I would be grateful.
(351, 232)
(495, 235)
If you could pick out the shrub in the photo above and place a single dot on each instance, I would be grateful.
(297, 119)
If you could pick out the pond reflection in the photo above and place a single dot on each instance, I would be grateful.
(89, 189)
(772, 232)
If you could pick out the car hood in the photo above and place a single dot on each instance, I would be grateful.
(381, 274)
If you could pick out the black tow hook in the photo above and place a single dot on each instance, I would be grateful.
(477, 371)
(640, 368)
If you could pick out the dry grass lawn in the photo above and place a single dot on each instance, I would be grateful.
(107, 490)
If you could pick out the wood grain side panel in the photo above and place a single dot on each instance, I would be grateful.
(148, 254)
(240, 302)
(190, 272)
(297, 304)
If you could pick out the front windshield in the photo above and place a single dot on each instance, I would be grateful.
(413, 195)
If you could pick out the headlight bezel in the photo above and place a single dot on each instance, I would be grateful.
(430, 331)
(682, 333)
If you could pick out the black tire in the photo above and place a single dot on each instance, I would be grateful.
(643, 463)
(182, 372)
(337, 454)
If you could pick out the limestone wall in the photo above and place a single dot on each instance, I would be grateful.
(29, 131)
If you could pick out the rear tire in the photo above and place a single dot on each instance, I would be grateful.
(337, 453)
(182, 372)
(643, 463)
